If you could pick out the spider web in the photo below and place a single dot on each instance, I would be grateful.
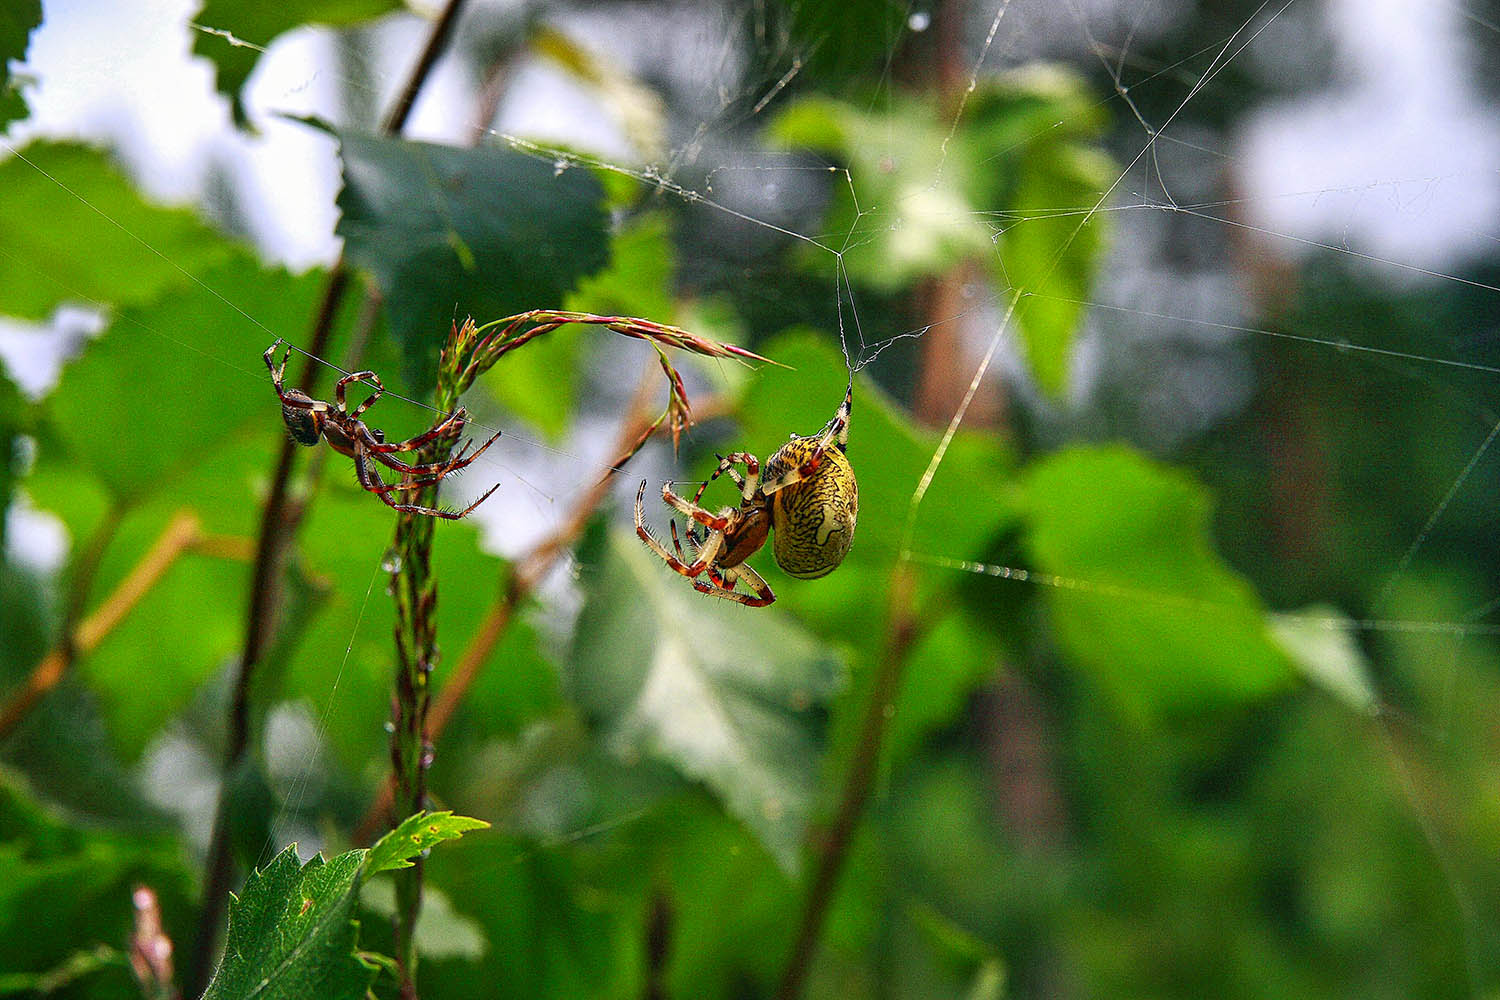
(1366, 153)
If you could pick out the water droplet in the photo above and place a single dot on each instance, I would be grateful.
(391, 562)
(558, 166)
(920, 20)
(389, 727)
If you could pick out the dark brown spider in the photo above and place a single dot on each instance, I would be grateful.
(310, 419)
(809, 496)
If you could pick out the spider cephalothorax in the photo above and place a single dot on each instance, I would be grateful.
(309, 420)
(807, 504)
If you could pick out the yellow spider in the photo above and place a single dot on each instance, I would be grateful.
(809, 497)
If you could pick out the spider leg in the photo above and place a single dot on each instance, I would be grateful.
(452, 464)
(706, 554)
(682, 506)
(453, 424)
(369, 478)
(725, 587)
(278, 372)
(714, 573)
(834, 434)
(295, 398)
(746, 483)
(677, 543)
(365, 376)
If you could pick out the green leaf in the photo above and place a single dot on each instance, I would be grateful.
(1052, 250)
(215, 370)
(953, 657)
(417, 833)
(18, 20)
(554, 928)
(258, 24)
(1145, 604)
(76, 230)
(453, 232)
(442, 932)
(75, 881)
(342, 545)
(209, 467)
(292, 933)
(837, 41)
(723, 696)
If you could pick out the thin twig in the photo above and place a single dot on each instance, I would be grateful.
(180, 535)
(858, 784)
(279, 521)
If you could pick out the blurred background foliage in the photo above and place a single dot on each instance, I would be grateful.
(1180, 687)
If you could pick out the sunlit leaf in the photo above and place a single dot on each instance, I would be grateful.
(76, 231)
(17, 21)
(1011, 182)
(1145, 604)
(234, 33)
(449, 233)
(916, 215)
(196, 382)
(292, 933)
(415, 834)
(1052, 250)
(724, 696)
(1320, 641)
(190, 432)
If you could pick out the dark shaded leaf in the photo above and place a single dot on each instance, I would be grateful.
(18, 19)
(553, 929)
(74, 882)
(449, 233)
(539, 383)
(838, 41)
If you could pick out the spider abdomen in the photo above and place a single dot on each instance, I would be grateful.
(814, 518)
